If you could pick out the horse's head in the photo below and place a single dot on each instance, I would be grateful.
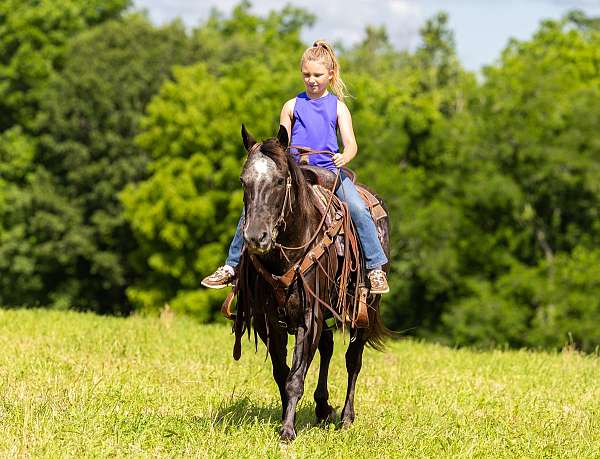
(266, 180)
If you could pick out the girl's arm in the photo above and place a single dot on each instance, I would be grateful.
(287, 115)
(344, 120)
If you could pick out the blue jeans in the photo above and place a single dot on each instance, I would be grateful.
(236, 246)
(367, 232)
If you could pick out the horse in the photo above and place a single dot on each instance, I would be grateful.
(283, 228)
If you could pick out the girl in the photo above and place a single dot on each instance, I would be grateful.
(312, 117)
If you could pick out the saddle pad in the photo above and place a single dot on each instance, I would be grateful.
(375, 207)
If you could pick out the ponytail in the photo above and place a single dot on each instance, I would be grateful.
(322, 51)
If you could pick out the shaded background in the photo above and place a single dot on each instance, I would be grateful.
(120, 155)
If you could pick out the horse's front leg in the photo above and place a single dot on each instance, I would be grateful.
(278, 352)
(276, 342)
(304, 350)
(353, 366)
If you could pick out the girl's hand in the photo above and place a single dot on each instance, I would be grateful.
(340, 160)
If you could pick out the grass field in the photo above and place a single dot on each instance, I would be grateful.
(79, 385)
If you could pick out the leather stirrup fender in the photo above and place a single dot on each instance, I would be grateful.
(362, 316)
(226, 307)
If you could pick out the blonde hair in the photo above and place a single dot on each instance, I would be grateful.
(322, 52)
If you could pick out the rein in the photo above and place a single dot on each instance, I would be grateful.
(287, 199)
(309, 151)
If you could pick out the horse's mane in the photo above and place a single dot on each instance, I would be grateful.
(302, 196)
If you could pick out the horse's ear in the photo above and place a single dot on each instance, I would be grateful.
(247, 138)
(283, 137)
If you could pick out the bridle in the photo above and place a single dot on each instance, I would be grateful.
(287, 200)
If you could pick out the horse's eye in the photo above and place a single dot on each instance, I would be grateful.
(280, 181)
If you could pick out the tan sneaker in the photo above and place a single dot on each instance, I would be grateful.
(379, 283)
(221, 278)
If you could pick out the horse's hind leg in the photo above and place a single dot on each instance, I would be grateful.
(353, 365)
(323, 410)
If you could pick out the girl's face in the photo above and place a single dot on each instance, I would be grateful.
(316, 78)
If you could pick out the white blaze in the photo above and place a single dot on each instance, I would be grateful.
(261, 166)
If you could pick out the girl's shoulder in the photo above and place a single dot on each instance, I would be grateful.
(290, 105)
(342, 107)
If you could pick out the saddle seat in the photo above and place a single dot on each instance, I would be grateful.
(325, 178)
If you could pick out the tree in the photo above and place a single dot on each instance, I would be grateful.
(33, 36)
(184, 215)
(410, 114)
(538, 134)
(66, 222)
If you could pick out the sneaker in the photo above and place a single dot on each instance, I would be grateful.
(378, 280)
(221, 278)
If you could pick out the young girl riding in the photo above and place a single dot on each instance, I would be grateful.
(312, 117)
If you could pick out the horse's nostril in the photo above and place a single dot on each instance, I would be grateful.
(263, 238)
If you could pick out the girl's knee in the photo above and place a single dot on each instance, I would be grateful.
(357, 206)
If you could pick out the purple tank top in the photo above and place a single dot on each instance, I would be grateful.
(315, 122)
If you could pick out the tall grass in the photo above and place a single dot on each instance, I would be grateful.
(79, 385)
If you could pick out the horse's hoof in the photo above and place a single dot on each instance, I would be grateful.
(330, 417)
(287, 434)
(347, 422)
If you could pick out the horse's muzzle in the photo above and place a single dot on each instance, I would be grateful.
(258, 242)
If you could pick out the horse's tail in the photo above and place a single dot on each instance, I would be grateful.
(377, 333)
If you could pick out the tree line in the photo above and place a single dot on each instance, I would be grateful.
(120, 157)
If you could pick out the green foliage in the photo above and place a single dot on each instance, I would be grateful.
(485, 184)
(538, 205)
(120, 153)
(527, 114)
(16, 155)
(33, 36)
(569, 305)
(551, 305)
(409, 114)
(491, 318)
(17, 152)
(185, 214)
(65, 222)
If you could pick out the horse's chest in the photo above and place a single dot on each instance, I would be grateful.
(287, 316)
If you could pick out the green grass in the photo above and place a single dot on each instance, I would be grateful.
(80, 385)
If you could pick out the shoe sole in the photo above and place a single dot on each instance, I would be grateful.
(379, 292)
(216, 287)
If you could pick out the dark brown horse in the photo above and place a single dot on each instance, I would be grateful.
(282, 223)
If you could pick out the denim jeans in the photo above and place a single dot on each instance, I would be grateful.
(237, 244)
(365, 227)
(367, 232)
